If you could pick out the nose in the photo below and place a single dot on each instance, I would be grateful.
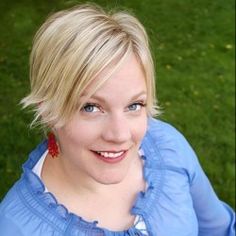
(117, 129)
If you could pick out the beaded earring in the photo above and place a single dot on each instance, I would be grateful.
(53, 149)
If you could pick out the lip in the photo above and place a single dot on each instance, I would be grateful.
(111, 160)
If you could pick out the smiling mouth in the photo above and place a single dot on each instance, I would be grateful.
(110, 156)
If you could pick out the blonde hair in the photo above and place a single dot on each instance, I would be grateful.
(71, 48)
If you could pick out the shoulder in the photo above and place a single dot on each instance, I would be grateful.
(170, 145)
(162, 131)
(9, 227)
(10, 201)
(10, 207)
(21, 213)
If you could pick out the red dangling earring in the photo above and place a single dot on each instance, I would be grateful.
(53, 149)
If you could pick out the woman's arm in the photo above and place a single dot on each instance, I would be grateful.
(214, 216)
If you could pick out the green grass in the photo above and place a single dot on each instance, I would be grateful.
(193, 46)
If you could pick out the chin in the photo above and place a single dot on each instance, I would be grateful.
(111, 179)
(113, 173)
(110, 182)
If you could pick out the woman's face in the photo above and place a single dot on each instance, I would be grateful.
(101, 141)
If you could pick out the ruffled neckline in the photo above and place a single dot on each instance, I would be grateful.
(142, 206)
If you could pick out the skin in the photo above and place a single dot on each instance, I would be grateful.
(113, 120)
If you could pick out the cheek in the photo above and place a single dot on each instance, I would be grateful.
(77, 135)
(139, 129)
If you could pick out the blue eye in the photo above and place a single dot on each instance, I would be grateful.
(136, 106)
(91, 108)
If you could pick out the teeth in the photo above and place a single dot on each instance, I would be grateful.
(111, 154)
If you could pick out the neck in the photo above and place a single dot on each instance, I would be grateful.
(58, 175)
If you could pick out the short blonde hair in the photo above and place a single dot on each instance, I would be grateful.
(71, 48)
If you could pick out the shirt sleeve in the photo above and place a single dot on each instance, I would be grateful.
(215, 217)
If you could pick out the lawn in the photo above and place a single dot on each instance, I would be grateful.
(194, 49)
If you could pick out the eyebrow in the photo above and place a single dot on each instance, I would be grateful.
(134, 97)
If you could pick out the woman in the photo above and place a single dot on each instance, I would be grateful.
(107, 167)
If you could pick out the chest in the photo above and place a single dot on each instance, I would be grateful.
(112, 214)
(111, 210)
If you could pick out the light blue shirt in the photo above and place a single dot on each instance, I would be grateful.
(179, 200)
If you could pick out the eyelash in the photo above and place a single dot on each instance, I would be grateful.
(141, 103)
(90, 105)
(94, 105)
